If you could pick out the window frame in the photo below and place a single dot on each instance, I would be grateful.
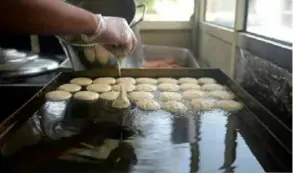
(276, 51)
(212, 23)
(259, 35)
(146, 25)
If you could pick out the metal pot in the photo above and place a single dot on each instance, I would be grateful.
(91, 56)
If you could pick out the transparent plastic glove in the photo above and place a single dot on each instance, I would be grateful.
(114, 34)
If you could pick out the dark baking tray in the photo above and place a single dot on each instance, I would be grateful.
(266, 136)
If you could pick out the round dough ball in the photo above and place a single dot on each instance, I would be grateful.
(212, 87)
(174, 107)
(187, 80)
(229, 105)
(140, 95)
(206, 80)
(146, 81)
(105, 80)
(128, 87)
(126, 80)
(145, 87)
(99, 88)
(223, 95)
(168, 87)
(86, 95)
(111, 96)
(170, 96)
(167, 80)
(70, 88)
(148, 105)
(202, 104)
(189, 86)
(82, 81)
(193, 94)
(58, 95)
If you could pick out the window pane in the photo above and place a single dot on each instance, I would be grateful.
(272, 19)
(221, 12)
(168, 10)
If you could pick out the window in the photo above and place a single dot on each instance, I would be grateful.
(168, 10)
(272, 19)
(221, 12)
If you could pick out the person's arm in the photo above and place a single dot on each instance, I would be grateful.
(45, 17)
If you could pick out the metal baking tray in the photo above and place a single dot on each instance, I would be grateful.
(251, 140)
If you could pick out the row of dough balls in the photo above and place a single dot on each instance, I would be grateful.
(197, 104)
(111, 81)
(103, 84)
(164, 96)
(145, 101)
(171, 101)
(167, 87)
(59, 95)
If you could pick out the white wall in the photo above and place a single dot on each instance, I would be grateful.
(178, 38)
(214, 52)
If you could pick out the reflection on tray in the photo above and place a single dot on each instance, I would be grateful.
(86, 148)
(168, 144)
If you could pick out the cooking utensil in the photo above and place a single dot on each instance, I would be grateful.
(88, 56)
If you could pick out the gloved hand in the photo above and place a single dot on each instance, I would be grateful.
(114, 34)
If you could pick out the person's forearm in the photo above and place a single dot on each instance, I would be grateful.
(45, 17)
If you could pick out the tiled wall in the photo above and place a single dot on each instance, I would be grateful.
(268, 83)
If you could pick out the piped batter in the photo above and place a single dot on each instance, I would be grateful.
(122, 101)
